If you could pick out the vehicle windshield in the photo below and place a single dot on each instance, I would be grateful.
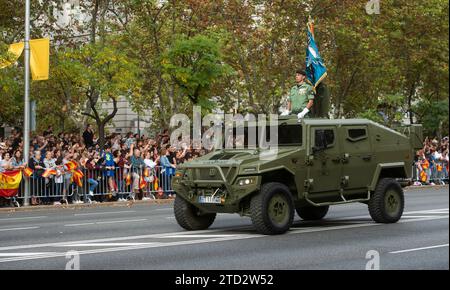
(247, 137)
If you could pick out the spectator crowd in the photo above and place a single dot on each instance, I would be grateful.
(134, 166)
(431, 162)
(128, 167)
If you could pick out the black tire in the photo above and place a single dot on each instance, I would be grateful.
(387, 202)
(189, 217)
(312, 213)
(272, 209)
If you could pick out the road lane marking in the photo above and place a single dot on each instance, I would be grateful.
(105, 222)
(24, 254)
(18, 229)
(103, 244)
(195, 236)
(21, 218)
(419, 249)
(105, 212)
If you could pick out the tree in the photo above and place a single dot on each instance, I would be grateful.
(101, 72)
(195, 64)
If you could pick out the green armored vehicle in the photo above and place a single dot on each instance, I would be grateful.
(317, 163)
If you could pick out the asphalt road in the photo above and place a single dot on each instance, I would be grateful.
(148, 237)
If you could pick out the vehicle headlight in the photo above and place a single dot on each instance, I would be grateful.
(246, 181)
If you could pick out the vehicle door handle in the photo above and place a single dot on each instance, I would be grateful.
(367, 157)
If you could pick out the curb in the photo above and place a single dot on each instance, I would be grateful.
(138, 202)
(81, 206)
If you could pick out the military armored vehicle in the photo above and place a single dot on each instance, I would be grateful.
(317, 163)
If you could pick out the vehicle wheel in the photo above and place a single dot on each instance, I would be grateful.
(191, 218)
(272, 209)
(387, 202)
(312, 213)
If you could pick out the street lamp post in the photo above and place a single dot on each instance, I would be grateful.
(26, 119)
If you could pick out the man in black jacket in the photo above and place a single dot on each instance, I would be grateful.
(88, 136)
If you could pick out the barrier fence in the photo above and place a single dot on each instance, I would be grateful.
(112, 184)
(99, 184)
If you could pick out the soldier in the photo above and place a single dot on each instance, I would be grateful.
(301, 97)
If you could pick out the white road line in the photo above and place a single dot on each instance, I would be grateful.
(419, 249)
(105, 222)
(21, 218)
(18, 229)
(195, 236)
(105, 212)
(24, 254)
(103, 245)
(166, 208)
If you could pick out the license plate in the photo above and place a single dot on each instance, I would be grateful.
(209, 199)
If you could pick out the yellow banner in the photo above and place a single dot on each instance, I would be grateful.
(16, 50)
(39, 57)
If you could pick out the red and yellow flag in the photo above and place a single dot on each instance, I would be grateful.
(146, 172)
(48, 172)
(423, 176)
(155, 183)
(71, 165)
(77, 176)
(425, 164)
(142, 183)
(10, 182)
(128, 179)
(27, 171)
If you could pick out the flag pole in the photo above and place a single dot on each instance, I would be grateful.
(26, 119)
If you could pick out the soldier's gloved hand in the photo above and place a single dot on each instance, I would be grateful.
(303, 113)
(285, 113)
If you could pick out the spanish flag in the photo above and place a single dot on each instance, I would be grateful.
(155, 183)
(439, 167)
(27, 171)
(10, 182)
(423, 176)
(77, 175)
(142, 183)
(48, 172)
(128, 179)
(146, 172)
(71, 165)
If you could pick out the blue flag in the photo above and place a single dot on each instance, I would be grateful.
(315, 69)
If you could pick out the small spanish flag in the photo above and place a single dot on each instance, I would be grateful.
(10, 182)
(439, 167)
(77, 176)
(142, 183)
(423, 176)
(128, 179)
(48, 172)
(146, 172)
(71, 165)
(27, 171)
(155, 183)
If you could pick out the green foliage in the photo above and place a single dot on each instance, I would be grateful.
(195, 64)
(434, 116)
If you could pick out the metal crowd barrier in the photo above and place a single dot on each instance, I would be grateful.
(103, 184)
(437, 173)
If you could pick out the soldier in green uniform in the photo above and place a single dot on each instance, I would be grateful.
(301, 96)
